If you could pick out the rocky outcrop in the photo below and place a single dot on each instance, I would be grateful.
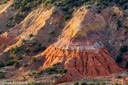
(81, 65)
(80, 49)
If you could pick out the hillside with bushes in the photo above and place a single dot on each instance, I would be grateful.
(75, 42)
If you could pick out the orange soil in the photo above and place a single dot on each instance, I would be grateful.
(81, 65)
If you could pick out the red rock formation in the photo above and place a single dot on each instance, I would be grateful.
(81, 65)
(80, 50)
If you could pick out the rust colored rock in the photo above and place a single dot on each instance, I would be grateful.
(81, 65)
(80, 49)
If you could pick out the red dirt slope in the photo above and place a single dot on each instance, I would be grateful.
(81, 65)
(80, 50)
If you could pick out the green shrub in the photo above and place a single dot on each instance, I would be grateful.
(14, 50)
(61, 70)
(19, 56)
(1, 64)
(4, 1)
(102, 83)
(119, 24)
(92, 83)
(119, 58)
(41, 72)
(16, 64)
(38, 48)
(32, 72)
(25, 64)
(126, 26)
(84, 83)
(34, 59)
(54, 69)
(116, 84)
(76, 83)
(1, 75)
(27, 50)
(114, 14)
(124, 49)
(3, 46)
(31, 35)
(10, 23)
(51, 70)
(11, 62)
(52, 31)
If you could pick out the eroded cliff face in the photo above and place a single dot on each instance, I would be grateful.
(81, 65)
(80, 49)
(84, 48)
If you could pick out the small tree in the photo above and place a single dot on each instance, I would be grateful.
(76, 83)
(126, 26)
(31, 35)
(84, 83)
(3, 46)
(1, 64)
(4, 1)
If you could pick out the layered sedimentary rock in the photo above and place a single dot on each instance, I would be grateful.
(80, 49)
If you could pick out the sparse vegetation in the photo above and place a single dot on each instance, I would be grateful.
(4, 1)
(126, 26)
(3, 46)
(14, 50)
(32, 72)
(54, 69)
(34, 59)
(31, 35)
(119, 23)
(1, 64)
(52, 31)
(25, 64)
(22, 7)
(19, 56)
(123, 50)
(33, 47)
(84, 83)
(2, 73)
(103, 83)
(12, 62)
(76, 83)
(119, 58)
(38, 47)
(16, 64)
